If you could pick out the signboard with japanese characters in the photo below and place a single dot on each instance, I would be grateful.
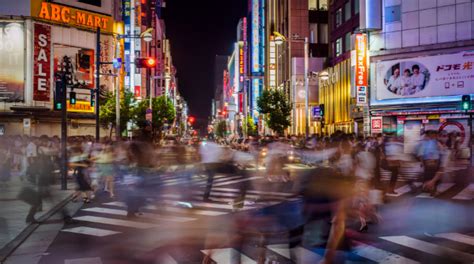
(442, 75)
(376, 125)
(361, 69)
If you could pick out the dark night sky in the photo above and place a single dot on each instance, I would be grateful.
(198, 30)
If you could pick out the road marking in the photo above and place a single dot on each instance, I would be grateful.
(90, 231)
(404, 189)
(429, 247)
(144, 215)
(206, 205)
(83, 261)
(228, 255)
(176, 210)
(441, 189)
(302, 254)
(458, 238)
(167, 259)
(237, 181)
(466, 194)
(117, 222)
(380, 256)
(254, 192)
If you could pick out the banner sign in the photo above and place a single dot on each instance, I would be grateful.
(361, 69)
(12, 61)
(80, 107)
(71, 16)
(376, 125)
(42, 63)
(442, 75)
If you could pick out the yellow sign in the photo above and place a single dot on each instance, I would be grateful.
(80, 107)
(71, 16)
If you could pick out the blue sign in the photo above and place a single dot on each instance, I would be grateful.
(316, 111)
(117, 62)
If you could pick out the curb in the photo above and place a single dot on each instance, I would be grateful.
(9, 248)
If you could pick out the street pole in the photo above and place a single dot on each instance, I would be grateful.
(306, 84)
(470, 139)
(117, 99)
(97, 89)
(64, 167)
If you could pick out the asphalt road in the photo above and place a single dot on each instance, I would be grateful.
(178, 226)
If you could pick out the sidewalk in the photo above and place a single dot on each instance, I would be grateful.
(13, 212)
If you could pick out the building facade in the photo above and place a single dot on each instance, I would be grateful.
(37, 38)
(421, 65)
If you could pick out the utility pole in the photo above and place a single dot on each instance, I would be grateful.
(97, 85)
(306, 85)
(61, 84)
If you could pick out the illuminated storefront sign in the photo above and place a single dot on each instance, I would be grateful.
(255, 35)
(361, 69)
(71, 16)
(80, 107)
(42, 63)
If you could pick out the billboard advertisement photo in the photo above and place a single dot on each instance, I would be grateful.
(12, 61)
(430, 76)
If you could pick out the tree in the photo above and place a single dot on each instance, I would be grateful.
(107, 115)
(249, 126)
(221, 129)
(274, 104)
(163, 111)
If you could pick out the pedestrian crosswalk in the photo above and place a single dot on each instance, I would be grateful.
(385, 249)
(450, 191)
(110, 218)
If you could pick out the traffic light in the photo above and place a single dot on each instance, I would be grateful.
(191, 119)
(72, 98)
(321, 110)
(466, 103)
(58, 93)
(148, 62)
(92, 97)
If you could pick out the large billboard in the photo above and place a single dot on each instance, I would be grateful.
(12, 61)
(431, 76)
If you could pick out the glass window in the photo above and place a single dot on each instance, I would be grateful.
(347, 42)
(338, 47)
(313, 31)
(323, 36)
(323, 4)
(347, 11)
(392, 14)
(313, 4)
(356, 6)
(338, 17)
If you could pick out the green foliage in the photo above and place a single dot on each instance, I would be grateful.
(221, 129)
(163, 112)
(249, 126)
(108, 112)
(274, 104)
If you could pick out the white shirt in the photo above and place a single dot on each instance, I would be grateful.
(210, 152)
(394, 84)
(31, 150)
(418, 81)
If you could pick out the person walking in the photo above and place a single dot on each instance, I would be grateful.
(391, 155)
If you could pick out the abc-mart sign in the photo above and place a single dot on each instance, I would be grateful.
(70, 16)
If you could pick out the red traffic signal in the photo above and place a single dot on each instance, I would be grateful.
(148, 62)
(191, 119)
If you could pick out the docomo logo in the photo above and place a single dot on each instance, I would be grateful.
(361, 60)
(73, 16)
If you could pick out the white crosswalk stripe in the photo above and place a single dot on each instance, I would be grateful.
(301, 254)
(228, 255)
(466, 194)
(379, 255)
(404, 189)
(116, 222)
(430, 248)
(90, 231)
(469, 240)
(96, 260)
(157, 217)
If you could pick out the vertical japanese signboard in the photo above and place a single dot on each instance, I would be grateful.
(361, 69)
(42, 63)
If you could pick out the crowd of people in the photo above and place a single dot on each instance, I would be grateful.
(344, 184)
